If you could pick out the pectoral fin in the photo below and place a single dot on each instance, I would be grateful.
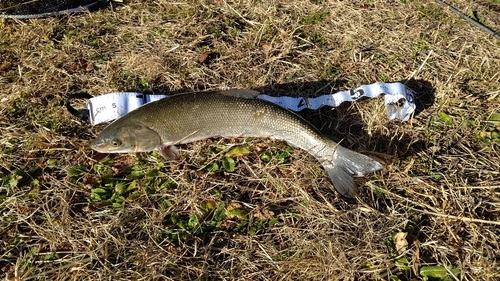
(169, 152)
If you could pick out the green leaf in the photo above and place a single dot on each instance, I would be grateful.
(403, 264)
(131, 186)
(242, 226)
(314, 18)
(100, 191)
(284, 154)
(207, 207)
(238, 213)
(266, 157)
(436, 177)
(395, 278)
(390, 244)
(238, 152)
(119, 199)
(177, 220)
(495, 118)
(220, 212)
(16, 179)
(165, 204)
(35, 183)
(135, 175)
(75, 171)
(12, 181)
(447, 119)
(134, 196)
(153, 173)
(193, 221)
(103, 171)
(9, 150)
(495, 135)
(439, 272)
(50, 257)
(273, 221)
(119, 188)
(98, 194)
(51, 163)
(212, 167)
(174, 218)
(280, 155)
(209, 204)
(229, 164)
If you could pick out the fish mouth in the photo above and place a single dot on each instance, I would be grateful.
(93, 145)
(97, 146)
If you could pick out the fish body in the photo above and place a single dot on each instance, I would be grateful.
(184, 118)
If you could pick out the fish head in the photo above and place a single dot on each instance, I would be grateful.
(125, 138)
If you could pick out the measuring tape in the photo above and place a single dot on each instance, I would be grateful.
(397, 96)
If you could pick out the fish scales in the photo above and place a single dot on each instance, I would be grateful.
(198, 116)
(184, 118)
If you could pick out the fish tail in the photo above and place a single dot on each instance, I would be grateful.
(344, 165)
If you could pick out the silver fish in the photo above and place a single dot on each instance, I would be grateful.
(184, 118)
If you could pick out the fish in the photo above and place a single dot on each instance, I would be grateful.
(183, 118)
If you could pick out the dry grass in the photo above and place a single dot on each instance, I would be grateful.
(69, 213)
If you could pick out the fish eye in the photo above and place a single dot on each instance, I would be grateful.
(116, 142)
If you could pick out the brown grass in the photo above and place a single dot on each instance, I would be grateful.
(270, 219)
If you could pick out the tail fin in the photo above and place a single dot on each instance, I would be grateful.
(345, 164)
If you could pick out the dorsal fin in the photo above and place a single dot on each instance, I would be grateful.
(240, 93)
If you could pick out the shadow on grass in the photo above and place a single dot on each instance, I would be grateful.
(345, 124)
(36, 9)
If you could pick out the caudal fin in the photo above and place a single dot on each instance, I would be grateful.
(345, 164)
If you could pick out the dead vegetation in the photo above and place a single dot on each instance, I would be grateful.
(433, 213)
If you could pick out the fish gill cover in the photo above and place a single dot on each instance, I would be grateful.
(40, 8)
